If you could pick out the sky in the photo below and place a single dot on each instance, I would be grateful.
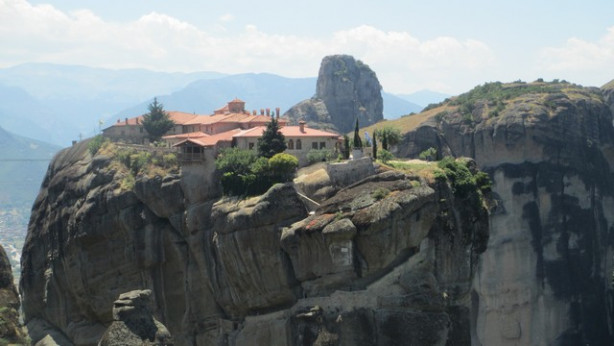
(446, 46)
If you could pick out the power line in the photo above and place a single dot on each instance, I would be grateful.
(24, 160)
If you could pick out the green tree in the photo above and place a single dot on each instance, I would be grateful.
(429, 154)
(272, 140)
(389, 136)
(157, 122)
(374, 144)
(346, 147)
(357, 141)
(385, 156)
(282, 167)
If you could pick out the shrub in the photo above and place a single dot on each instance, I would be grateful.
(138, 161)
(464, 183)
(243, 173)
(95, 144)
(283, 166)
(384, 155)
(429, 154)
(319, 155)
(128, 182)
(170, 160)
(380, 193)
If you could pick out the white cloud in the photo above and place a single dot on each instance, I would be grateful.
(578, 59)
(227, 17)
(157, 41)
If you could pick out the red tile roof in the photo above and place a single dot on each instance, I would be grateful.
(196, 134)
(289, 131)
(179, 118)
(211, 140)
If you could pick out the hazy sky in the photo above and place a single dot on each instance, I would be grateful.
(448, 46)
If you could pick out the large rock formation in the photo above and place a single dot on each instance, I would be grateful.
(10, 328)
(546, 277)
(346, 89)
(389, 259)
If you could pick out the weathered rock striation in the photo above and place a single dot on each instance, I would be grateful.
(346, 89)
(546, 277)
(10, 328)
(366, 268)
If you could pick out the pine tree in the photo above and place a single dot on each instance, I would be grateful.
(272, 140)
(157, 122)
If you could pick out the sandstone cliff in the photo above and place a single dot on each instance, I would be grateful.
(387, 259)
(346, 89)
(546, 277)
(10, 328)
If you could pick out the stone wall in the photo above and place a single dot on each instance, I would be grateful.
(349, 172)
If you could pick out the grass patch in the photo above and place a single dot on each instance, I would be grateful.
(380, 193)
(132, 162)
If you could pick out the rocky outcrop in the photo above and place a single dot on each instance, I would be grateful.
(10, 328)
(134, 324)
(385, 260)
(346, 89)
(546, 277)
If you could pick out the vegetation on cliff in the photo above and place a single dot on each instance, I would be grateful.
(245, 173)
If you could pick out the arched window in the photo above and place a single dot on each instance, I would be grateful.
(299, 145)
(290, 144)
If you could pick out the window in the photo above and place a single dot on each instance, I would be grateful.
(322, 145)
(251, 146)
(299, 145)
(291, 144)
(314, 145)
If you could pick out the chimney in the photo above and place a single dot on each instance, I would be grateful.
(255, 112)
(268, 112)
(118, 121)
(301, 125)
(277, 112)
(126, 121)
(261, 111)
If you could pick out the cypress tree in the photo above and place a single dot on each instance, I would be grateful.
(374, 144)
(357, 140)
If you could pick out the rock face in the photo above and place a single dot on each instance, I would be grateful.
(134, 324)
(10, 328)
(366, 268)
(346, 89)
(546, 277)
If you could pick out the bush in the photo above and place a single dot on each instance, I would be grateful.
(243, 173)
(170, 160)
(464, 183)
(380, 193)
(282, 167)
(429, 154)
(138, 161)
(384, 155)
(319, 155)
(95, 144)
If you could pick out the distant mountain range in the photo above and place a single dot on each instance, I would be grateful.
(24, 162)
(60, 103)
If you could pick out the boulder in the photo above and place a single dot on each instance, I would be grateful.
(134, 324)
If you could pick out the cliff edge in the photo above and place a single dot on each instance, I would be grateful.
(546, 276)
(385, 259)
